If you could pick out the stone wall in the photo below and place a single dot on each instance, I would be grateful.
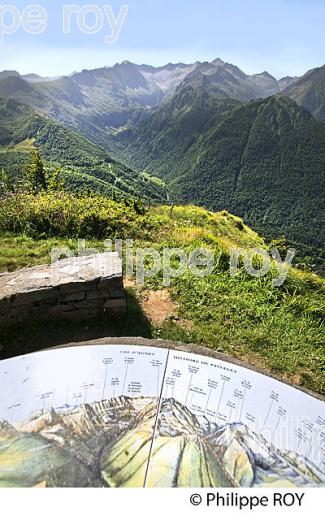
(71, 289)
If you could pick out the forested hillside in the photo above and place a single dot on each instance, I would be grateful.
(266, 163)
(264, 160)
(84, 165)
(160, 139)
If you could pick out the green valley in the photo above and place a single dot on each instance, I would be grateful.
(84, 165)
(262, 160)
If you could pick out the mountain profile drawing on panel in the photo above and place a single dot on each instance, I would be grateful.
(108, 444)
(114, 423)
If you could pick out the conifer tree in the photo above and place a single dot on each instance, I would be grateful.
(35, 177)
(5, 184)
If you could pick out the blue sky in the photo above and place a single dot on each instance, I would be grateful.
(285, 37)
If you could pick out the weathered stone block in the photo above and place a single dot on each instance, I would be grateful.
(72, 288)
(72, 297)
(77, 287)
(116, 304)
(60, 309)
(117, 294)
(34, 295)
(96, 294)
(44, 304)
(91, 304)
(112, 283)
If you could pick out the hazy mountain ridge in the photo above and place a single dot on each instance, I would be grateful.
(224, 80)
(103, 97)
(309, 92)
(96, 102)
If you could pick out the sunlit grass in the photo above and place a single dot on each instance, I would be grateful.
(280, 329)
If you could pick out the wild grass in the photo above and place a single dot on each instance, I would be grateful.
(278, 328)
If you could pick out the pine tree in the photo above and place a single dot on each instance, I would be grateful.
(5, 184)
(35, 178)
(54, 181)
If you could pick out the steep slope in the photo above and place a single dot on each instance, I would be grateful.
(159, 139)
(309, 92)
(8, 73)
(17, 88)
(265, 163)
(224, 80)
(263, 160)
(286, 82)
(168, 77)
(83, 163)
(61, 100)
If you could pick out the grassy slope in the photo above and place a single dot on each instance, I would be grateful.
(280, 329)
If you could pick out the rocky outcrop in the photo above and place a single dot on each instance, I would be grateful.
(6, 429)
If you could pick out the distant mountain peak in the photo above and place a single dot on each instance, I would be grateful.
(218, 61)
(35, 78)
(125, 64)
(8, 73)
(266, 74)
(308, 91)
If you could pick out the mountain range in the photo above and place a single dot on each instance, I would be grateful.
(250, 144)
(98, 102)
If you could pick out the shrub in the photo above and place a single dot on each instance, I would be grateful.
(49, 214)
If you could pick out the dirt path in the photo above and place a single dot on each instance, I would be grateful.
(158, 306)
